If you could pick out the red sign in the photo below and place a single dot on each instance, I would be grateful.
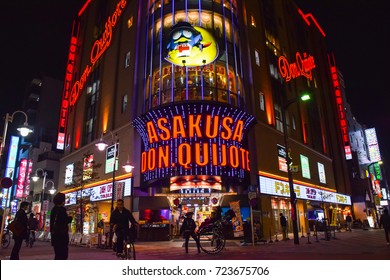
(23, 185)
(302, 67)
(67, 87)
(340, 108)
(98, 48)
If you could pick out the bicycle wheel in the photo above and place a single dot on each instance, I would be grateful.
(5, 240)
(211, 239)
(129, 251)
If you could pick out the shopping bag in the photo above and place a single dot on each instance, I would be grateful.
(16, 228)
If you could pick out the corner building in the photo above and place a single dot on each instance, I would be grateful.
(192, 92)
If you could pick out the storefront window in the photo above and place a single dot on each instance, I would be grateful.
(211, 82)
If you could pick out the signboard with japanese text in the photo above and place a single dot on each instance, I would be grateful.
(281, 188)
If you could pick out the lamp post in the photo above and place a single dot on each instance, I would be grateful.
(24, 131)
(293, 196)
(44, 184)
(102, 145)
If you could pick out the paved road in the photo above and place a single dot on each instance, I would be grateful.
(356, 245)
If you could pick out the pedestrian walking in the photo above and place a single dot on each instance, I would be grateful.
(384, 222)
(283, 223)
(32, 225)
(120, 219)
(21, 218)
(188, 230)
(348, 219)
(59, 229)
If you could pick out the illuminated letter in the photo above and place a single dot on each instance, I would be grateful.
(163, 158)
(243, 159)
(165, 135)
(152, 159)
(227, 134)
(237, 135)
(223, 155)
(211, 130)
(178, 127)
(152, 134)
(184, 155)
(143, 162)
(247, 161)
(214, 149)
(193, 126)
(233, 156)
(199, 155)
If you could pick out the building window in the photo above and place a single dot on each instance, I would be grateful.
(262, 101)
(305, 166)
(257, 58)
(293, 122)
(124, 103)
(127, 60)
(278, 118)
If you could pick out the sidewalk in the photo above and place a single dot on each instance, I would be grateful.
(356, 245)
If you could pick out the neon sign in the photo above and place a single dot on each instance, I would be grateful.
(341, 111)
(194, 139)
(67, 86)
(190, 45)
(23, 185)
(98, 48)
(302, 67)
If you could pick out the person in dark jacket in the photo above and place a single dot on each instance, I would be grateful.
(283, 223)
(59, 229)
(384, 222)
(188, 230)
(32, 225)
(21, 218)
(119, 221)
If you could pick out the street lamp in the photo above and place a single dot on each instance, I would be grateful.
(44, 184)
(293, 196)
(102, 145)
(24, 131)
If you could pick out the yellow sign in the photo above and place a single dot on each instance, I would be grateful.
(190, 45)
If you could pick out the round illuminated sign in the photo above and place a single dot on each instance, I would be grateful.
(190, 45)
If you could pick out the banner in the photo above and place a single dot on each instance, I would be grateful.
(238, 228)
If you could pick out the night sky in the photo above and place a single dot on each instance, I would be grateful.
(35, 38)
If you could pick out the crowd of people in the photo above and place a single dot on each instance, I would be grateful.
(124, 226)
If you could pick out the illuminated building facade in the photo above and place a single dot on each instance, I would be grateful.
(193, 92)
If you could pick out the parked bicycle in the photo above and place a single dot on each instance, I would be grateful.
(211, 237)
(5, 239)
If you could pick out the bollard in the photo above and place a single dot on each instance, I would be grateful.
(276, 236)
(303, 236)
(270, 237)
(308, 237)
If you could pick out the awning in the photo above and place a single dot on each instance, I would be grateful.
(150, 202)
(243, 198)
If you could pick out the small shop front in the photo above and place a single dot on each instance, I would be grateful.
(90, 205)
(315, 206)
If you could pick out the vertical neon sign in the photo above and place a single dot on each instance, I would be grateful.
(67, 88)
(340, 107)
